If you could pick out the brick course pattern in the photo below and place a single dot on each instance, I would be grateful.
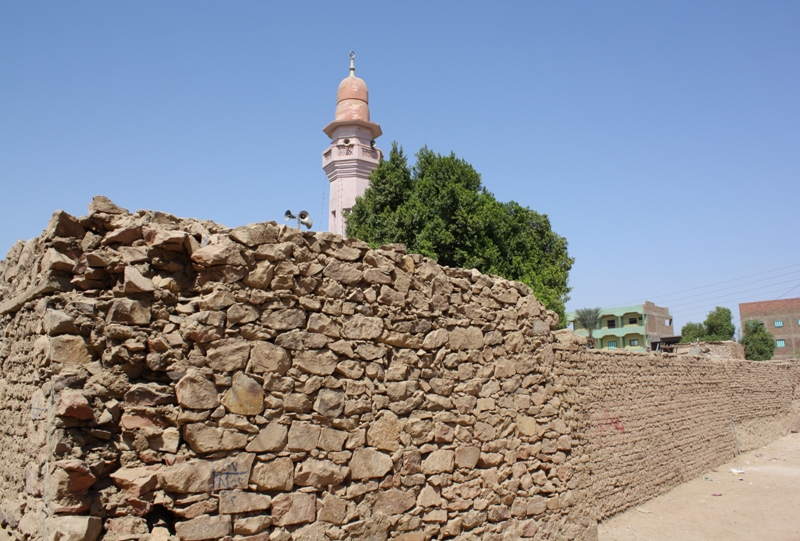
(768, 312)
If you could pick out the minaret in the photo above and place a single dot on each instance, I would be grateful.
(352, 155)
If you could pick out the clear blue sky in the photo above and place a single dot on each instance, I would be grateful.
(661, 138)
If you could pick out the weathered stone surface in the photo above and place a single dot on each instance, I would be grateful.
(441, 461)
(394, 502)
(150, 394)
(58, 322)
(245, 397)
(285, 320)
(321, 362)
(296, 508)
(218, 254)
(465, 338)
(228, 354)
(74, 404)
(436, 339)
(69, 349)
(256, 234)
(362, 328)
(345, 273)
(332, 440)
(385, 432)
(240, 314)
(136, 481)
(527, 426)
(319, 473)
(267, 358)
(196, 392)
(63, 225)
(467, 456)
(239, 501)
(261, 276)
(369, 463)
(186, 477)
(129, 312)
(303, 436)
(69, 476)
(102, 204)
(134, 282)
(251, 525)
(334, 509)
(232, 472)
(329, 403)
(208, 439)
(272, 438)
(275, 475)
(204, 527)
(73, 528)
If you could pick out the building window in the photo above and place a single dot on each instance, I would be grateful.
(780, 343)
(632, 321)
(611, 324)
(612, 344)
(634, 342)
(778, 323)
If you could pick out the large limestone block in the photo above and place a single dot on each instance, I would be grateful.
(466, 338)
(272, 438)
(136, 481)
(129, 312)
(134, 282)
(362, 328)
(187, 477)
(267, 358)
(296, 508)
(194, 391)
(334, 509)
(303, 436)
(245, 397)
(441, 461)
(394, 502)
(232, 502)
(329, 403)
(261, 276)
(255, 234)
(208, 439)
(321, 362)
(369, 463)
(275, 475)
(345, 273)
(285, 320)
(69, 349)
(319, 473)
(72, 528)
(228, 354)
(218, 254)
(384, 434)
(204, 527)
(58, 322)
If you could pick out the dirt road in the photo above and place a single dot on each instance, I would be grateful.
(761, 504)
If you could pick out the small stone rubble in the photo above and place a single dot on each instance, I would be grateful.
(167, 378)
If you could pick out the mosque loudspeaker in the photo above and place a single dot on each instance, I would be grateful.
(372, 143)
(289, 215)
(305, 219)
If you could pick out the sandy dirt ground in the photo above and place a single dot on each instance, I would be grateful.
(761, 504)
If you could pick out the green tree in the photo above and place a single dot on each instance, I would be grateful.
(589, 319)
(759, 344)
(691, 332)
(440, 209)
(719, 325)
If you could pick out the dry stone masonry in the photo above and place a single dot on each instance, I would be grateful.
(166, 379)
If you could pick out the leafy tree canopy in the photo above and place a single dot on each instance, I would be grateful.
(759, 344)
(717, 327)
(440, 209)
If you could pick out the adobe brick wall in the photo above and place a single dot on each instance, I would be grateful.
(658, 420)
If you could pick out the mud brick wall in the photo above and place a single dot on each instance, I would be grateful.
(659, 420)
(167, 379)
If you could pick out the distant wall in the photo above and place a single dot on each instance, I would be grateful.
(659, 420)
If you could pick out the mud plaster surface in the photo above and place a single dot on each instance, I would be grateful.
(764, 504)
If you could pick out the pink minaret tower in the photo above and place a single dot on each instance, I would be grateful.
(352, 155)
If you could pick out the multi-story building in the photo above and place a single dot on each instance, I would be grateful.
(782, 319)
(635, 328)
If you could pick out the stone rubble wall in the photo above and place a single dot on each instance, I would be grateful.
(658, 420)
(165, 379)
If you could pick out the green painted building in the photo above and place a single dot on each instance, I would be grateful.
(634, 328)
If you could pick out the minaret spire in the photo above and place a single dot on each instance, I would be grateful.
(352, 154)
